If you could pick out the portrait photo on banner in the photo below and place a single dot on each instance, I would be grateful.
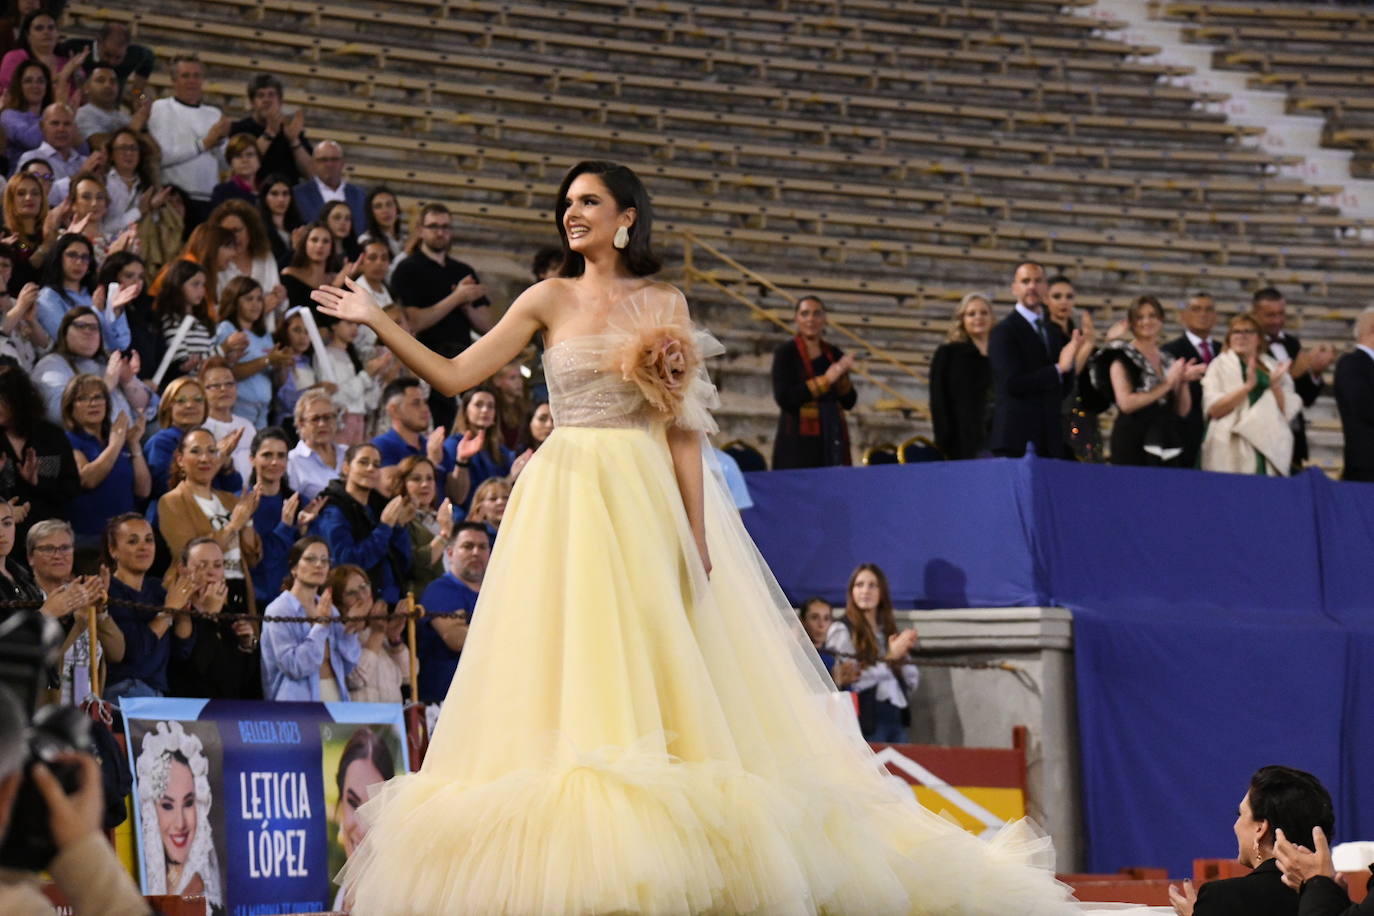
(356, 758)
(178, 766)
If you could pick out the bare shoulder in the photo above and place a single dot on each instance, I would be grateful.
(672, 294)
(539, 300)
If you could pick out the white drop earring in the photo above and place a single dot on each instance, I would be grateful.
(622, 237)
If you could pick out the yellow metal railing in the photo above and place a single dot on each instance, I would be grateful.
(691, 273)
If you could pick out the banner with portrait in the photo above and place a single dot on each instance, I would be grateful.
(253, 804)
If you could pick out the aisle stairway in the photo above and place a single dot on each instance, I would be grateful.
(891, 155)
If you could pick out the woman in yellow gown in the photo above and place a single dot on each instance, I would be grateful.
(639, 724)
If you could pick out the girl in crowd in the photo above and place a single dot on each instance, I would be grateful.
(222, 419)
(130, 182)
(294, 365)
(868, 634)
(78, 350)
(183, 409)
(279, 519)
(16, 582)
(27, 219)
(242, 184)
(1250, 400)
(241, 311)
(29, 92)
(194, 508)
(489, 504)
(38, 467)
(430, 530)
(339, 218)
(477, 417)
(68, 278)
(280, 219)
(307, 661)
(150, 639)
(312, 262)
(128, 270)
(358, 391)
(183, 293)
(174, 799)
(535, 429)
(376, 266)
(1151, 389)
(212, 247)
(109, 458)
(223, 663)
(961, 381)
(20, 329)
(384, 224)
(816, 618)
(318, 459)
(252, 254)
(383, 664)
(362, 527)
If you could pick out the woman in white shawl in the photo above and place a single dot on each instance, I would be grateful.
(1249, 400)
(174, 810)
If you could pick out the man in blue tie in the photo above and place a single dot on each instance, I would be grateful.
(1032, 370)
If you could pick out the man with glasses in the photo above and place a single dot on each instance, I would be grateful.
(329, 185)
(1198, 317)
(443, 298)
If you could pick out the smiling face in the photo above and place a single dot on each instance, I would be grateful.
(360, 775)
(125, 153)
(51, 556)
(592, 215)
(1146, 322)
(319, 422)
(866, 592)
(83, 335)
(187, 79)
(481, 411)
(977, 318)
(541, 423)
(810, 319)
(1243, 337)
(134, 546)
(269, 461)
(1199, 316)
(1272, 315)
(176, 813)
(492, 505)
(420, 486)
(198, 457)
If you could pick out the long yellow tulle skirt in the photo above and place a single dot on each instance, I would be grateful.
(625, 735)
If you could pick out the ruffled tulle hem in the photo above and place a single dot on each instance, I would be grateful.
(635, 831)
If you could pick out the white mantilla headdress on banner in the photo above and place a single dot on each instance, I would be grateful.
(154, 768)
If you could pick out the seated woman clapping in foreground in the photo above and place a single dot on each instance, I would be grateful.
(307, 660)
(1279, 799)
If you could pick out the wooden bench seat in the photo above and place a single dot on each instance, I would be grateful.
(1207, 11)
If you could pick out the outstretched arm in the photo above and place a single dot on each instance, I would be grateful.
(473, 366)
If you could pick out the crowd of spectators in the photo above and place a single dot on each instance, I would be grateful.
(1041, 378)
(187, 443)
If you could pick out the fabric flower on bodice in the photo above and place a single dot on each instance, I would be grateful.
(660, 360)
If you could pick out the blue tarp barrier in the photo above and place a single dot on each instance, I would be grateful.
(1222, 622)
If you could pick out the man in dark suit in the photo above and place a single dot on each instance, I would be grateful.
(1308, 364)
(1198, 318)
(329, 184)
(1354, 384)
(1032, 370)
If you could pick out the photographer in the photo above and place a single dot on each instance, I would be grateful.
(85, 869)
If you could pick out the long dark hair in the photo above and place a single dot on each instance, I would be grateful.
(865, 640)
(235, 290)
(300, 260)
(53, 275)
(147, 175)
(364, 744)
(169, 299)
(373, 228)
(26, 26)
(14, 94)
(26, 405)
(269, 433)
(627, 191)
(281, 250)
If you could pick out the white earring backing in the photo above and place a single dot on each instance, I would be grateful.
(622, 237)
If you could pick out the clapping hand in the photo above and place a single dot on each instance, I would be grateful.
(1174, 374)
(310, 513)
(324, 606)
(519, 463)
(446, 522)
(1300, 865)
(1069, 353)
(468, 290)
(471, 444)
(901, 645)
(212, 596)
(434, 446)
(1277, 375)
(227, 445)
(1183, 898)
(398, 512)
(351, 303)
(1194, 370)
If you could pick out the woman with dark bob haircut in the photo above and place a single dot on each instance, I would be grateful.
(663, 690)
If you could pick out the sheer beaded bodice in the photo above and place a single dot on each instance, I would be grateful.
(585, 391)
